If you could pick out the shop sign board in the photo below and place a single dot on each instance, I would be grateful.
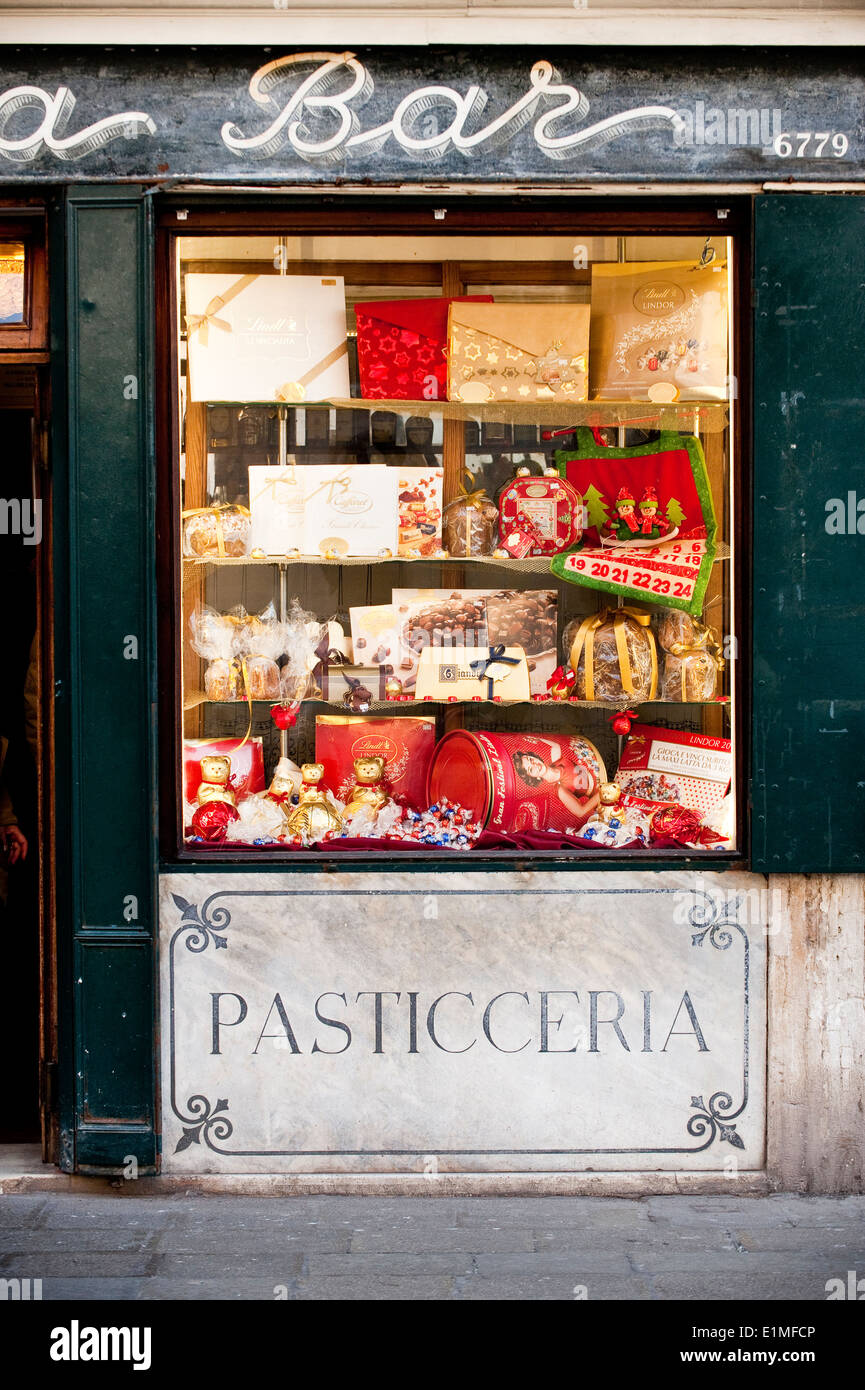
(391, 116)
(462, 1023)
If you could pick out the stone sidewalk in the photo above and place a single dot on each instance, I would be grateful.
(522, 1248)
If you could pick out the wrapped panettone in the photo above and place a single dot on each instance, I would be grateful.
(219, 530)
(614, 656)
(469, 525)
(692, 658)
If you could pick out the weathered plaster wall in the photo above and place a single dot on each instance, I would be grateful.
(816, 1058)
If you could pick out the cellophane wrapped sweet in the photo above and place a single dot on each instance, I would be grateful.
(677, 628)
(692, 676)
(221, 530)
(469, 525)
(212, 636)
(606, 670)
(300, 640)
(260, 642)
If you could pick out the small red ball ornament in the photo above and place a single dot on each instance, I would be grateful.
(284, 716)
(621, 722)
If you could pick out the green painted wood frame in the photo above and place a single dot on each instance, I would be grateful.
(102, 450)
(808, 711)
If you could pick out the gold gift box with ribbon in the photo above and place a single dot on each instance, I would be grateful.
(518, 352)
(266, 338)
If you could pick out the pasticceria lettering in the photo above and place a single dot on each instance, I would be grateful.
(594, 1021)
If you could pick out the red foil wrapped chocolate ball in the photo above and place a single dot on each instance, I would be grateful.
(212, 819)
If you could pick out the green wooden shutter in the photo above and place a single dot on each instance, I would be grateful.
(104, 562)
(808, 788)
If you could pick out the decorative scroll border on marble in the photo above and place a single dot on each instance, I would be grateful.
(206, 1122)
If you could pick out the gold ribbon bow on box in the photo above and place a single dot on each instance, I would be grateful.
(200, 323)
(585, 638)
(294, 392)
(705, 640)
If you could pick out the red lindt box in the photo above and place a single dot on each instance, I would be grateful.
(676, 765)
(406, 744)
(401, 347)
(247, 764)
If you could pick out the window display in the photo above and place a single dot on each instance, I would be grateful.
(455, 517)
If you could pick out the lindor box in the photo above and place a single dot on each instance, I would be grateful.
(276, 506)
(266, 338)
(350, 510)
(676, 765)
(406, 744)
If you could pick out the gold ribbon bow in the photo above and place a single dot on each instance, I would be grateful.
(293, 392)
(200, 323)
(215, 511)
(705, 640)
(585, 638)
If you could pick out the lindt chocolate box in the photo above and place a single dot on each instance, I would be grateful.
(406, 744)
(676, 765)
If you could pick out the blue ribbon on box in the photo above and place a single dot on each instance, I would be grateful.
(497, 654)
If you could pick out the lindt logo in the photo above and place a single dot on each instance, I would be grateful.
(373, 745)
(660, 298)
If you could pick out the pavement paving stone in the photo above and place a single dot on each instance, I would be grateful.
(712, 1288)
(578, 1262)
(162, 1290)
(102, 1290)
(352, 1288)
(410, 1239)
(531, 1287)
(671, 1260)
(454, 1262)
(69, 1264)
(245, 1265)
(17, 1242)
(21, 1210)
(275, 1240)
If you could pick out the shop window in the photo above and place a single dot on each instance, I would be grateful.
(455, 518)
(23, 286)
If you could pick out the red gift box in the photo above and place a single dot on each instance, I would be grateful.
(247, 764)
(402, 345)
(674, 765)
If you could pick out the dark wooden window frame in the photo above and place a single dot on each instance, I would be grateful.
(406, 214)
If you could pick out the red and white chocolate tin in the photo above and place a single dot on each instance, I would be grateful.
(513, 782)
(552, 506)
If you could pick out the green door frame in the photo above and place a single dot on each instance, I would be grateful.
(104, 561)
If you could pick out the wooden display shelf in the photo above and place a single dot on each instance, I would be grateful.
(532, 564)
(198, 697)
(710, 416)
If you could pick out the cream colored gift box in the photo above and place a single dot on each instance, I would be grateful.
(350, 510)
(473, 673)
(519, 352)
(266, 338)
(276, 506)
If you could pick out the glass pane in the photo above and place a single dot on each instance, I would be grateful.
(370, 505)
(11, 282)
